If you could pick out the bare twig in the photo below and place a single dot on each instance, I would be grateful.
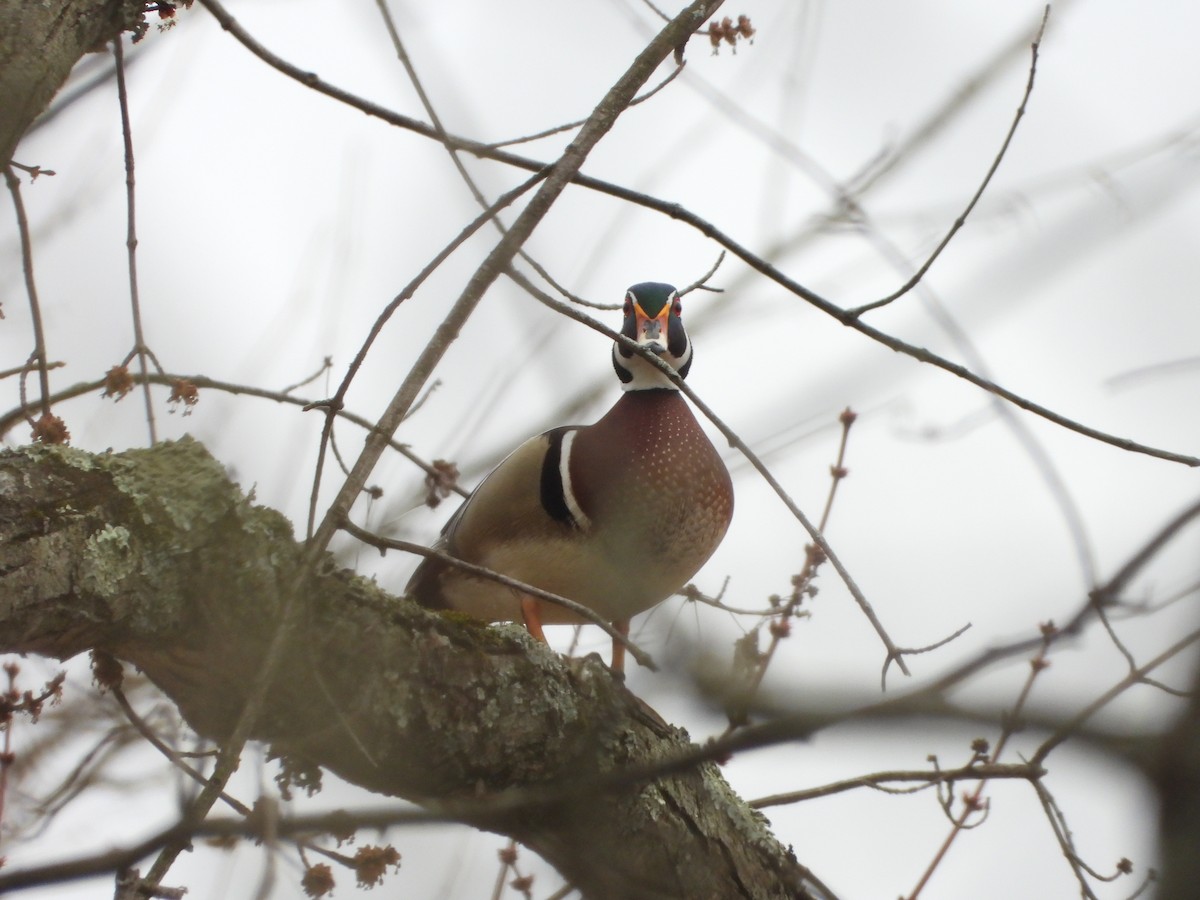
(973, 801)
(559, 129)
(326, 365)
(333, 406)
(987, 178)
(1130, 377)
(954, 635)
(780, 627)
(693, 593)
(175, 758)
(1137, 676)
(86, 773)
(922, 780)
(1087, 610)
(701, 283)
(1021, 430)
(1058, 824)
(930, 699)
(178, 760)
(33, 171)
(35, 308)
(949, 109)
(573, 297)
(131, 241)
(9, 419)
(21, 370)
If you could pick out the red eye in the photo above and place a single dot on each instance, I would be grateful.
(677, 307)
(628, 307)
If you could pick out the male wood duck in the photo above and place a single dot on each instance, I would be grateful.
(616, 515)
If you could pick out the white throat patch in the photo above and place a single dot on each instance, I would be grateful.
(646, 375)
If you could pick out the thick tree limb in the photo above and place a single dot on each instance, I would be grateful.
(153, 556)
(39, 44)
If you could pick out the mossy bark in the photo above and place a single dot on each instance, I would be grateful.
(153, 556)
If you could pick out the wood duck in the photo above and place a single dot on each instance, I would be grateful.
(616, 515)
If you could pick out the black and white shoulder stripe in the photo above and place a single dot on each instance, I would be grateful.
(558, 493)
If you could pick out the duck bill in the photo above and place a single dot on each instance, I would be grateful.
(652, 330)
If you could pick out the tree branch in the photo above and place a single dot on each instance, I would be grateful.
(153, 556)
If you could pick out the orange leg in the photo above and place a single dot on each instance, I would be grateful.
(532, 616)
(618, 654)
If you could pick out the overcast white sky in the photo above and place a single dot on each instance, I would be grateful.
(274, 224)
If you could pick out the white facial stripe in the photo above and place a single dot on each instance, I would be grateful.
(568, 489)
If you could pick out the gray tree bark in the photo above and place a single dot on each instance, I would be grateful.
(39, 44)
(154, 557)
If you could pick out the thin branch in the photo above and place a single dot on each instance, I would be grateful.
(1110, 591)
(693, 593)
(559, 129)
(1130, 377)
(1021, 430)
(158, 367)
(949, 109)
(974, 801)
(337, 455)
(334, 405)
(131, 241)
(923, 779)
(1170, 600)
(178, 760)
(920, 354)
(35, 308)
(21, 370)
(780, 624)
(987, 178)
(930, 699)
(144, 729)
(1102, 616)
(658, 12)
(1137, 676)
(326, 365)
(1066, 843)
(573, 297)
(9, 419)
(953, 636)
(86, 773)
(1086, 611)
(701, 283)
